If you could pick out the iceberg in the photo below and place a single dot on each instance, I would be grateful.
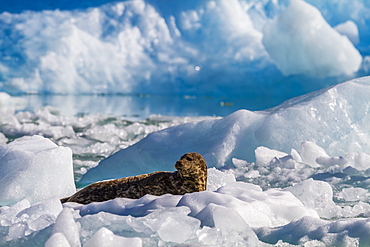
(300, 41)
(198, 48)
(335, 118)
(126, 47)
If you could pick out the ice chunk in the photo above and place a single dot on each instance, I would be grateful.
(50, 206)
(21, 219)
(3, 139)
(222, 218)
(169, 230)
(317, 195)
(239, 163)
(229, 222)
(34, 168)
(329, 233)
(170, 224)
(6, 101)
(360, 209)
(264, 155)
(353, 194)
(310, 152)
(360, 161)
(327, 162)
(8, 119)
(8, 215)
(257, 208)
(17, 230)
(292, 232)
(106, 238)
(66, 225)
(300, 41)
(57, 240)
(295, 155)
(217, 178)
(107, 133)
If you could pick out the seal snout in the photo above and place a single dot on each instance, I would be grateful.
(179, 164)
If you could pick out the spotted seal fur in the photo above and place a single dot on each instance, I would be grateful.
(191, 176)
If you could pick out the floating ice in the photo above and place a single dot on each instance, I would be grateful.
(252, 205)
(300, 41)
(317, 195)
(3, 139)
(264, 155)
(233, 210)
(6, 101)
(22, 220)
(57, 240)
(217, 179)
(66, 225)
(34, 168)
(340, 232)
(282, 203)
(105, 237)
(360, 161)
(310, 152)
(354, 194)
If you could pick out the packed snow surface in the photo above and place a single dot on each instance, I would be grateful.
(297, 174)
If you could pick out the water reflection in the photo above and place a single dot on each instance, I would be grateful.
(142, 106)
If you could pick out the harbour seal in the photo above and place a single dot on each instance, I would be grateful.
(191, 176)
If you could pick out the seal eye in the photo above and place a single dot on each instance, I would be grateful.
(189, 159)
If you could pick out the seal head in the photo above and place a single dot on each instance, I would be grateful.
(193, 169)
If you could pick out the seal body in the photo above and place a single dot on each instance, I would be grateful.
(191, 176)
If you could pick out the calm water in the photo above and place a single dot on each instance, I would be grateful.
(141, 106)
(145, 105)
